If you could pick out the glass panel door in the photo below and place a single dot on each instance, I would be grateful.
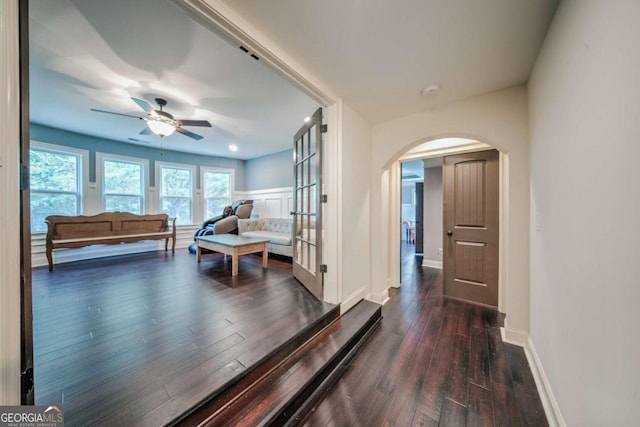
(307, 218)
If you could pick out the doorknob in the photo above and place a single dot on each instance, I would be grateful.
(449, 233)
(292, 213)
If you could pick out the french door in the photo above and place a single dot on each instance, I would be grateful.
(307, 214)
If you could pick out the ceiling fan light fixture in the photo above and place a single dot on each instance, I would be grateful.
(161, 128)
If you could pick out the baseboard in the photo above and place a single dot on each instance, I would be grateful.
(432, 263)
(379, 297)
(522, 339)
(352, 299)
(549, 402)
(514, 336)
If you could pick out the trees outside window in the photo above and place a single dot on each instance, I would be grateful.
(123, 186)
(56, 185)
(217, 190)
(176, 192)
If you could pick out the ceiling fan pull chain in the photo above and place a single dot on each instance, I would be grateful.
(161, 149)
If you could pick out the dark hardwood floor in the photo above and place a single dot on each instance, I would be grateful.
(139, 339)
(433, 362)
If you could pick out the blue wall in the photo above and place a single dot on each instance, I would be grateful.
(272, 171)
(93, 144)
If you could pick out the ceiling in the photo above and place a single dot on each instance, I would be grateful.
(98, 54)
(379, 55)
(413, 170)
(376, 55)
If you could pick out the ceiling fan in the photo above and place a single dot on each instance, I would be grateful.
(160, 122)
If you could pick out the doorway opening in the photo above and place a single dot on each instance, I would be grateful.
(421, 210)
(431, 235)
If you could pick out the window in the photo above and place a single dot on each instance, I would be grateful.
(123, 183)
(56, 183)
(217, 187)
(176, 191)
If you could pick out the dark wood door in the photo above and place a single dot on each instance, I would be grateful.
(419, 217)
(307, 217)
(471, 232)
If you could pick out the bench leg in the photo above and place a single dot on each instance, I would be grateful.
(50, 259)
(173, 245)
(166, 244)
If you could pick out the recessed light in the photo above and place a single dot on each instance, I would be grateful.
(233, 147)
(431, 90)
(307, 119)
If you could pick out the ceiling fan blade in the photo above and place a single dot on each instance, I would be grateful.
(203, 123)
(189, 134)
(117, 114)
(146, 131)
(143, 104)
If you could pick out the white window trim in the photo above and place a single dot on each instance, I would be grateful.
(201, 198)
(101, 157)
(83, 180)
(158, 186)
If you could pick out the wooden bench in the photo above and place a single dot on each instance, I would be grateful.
(107, 228)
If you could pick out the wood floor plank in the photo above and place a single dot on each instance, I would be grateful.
(438, 373)
(458, 381)
(480, 411)
(525, 388)
(479, 358)
(506, 411)
(453, 414)
(394, 373)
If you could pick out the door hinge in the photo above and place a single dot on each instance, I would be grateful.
(323, 268)
(24, 177)
(323, 128)
(323, 198)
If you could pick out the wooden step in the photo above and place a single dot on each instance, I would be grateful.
(224, 395)
(285, 392)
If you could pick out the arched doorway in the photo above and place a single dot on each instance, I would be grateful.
(432, 149)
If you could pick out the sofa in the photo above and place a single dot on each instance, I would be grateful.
(277, 230)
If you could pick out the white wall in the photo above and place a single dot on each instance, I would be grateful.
(355, 203)
(584, 101)
(499, 119)
(433, 208)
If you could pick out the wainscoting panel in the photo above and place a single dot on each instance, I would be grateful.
(269, 203)
(272, 207)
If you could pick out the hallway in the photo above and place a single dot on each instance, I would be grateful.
(433, 362)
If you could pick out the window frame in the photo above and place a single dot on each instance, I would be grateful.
(158, 186)
(203, 172)
(82, 174)
(101, 157)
